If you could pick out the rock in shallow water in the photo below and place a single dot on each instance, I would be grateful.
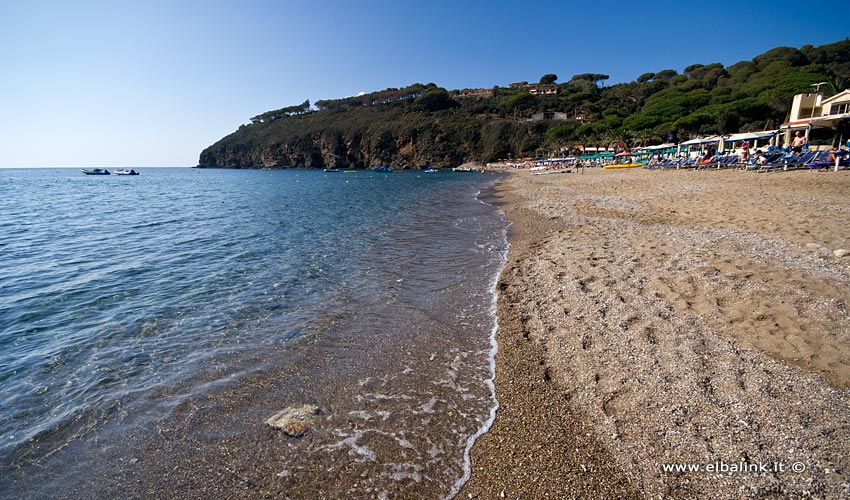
(294, 420)
(841, 252)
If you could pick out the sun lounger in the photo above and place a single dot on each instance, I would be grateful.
(688, 163)
(822, 161)
(789, 161)
(753, 163)
(805, 158)
(719, 161)
(728, 161)
(662, 164)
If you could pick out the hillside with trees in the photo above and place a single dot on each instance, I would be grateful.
(425, 124)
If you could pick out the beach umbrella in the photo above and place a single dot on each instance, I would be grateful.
(720, 145)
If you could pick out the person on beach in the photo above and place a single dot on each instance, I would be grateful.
(799, 142)
(832, 152)
(745, 150)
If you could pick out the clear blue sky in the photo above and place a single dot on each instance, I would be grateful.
(152, 83)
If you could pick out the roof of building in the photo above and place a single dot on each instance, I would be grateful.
(837, 97)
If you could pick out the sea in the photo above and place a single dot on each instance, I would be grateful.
(150, 324)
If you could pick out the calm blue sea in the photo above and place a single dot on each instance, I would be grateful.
(123, 297)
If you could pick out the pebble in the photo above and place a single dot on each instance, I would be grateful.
(841, 252)
(294, 421)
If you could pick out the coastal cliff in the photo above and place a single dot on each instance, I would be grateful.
(424, 124)
(336, 148)
(414, 127)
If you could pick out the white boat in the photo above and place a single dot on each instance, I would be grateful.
(125, 171)
(94, 171)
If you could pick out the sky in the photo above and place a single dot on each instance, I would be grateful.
(152, 83)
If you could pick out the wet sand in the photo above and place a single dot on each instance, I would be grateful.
(650, 318)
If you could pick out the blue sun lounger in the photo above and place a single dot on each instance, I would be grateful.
(789, 161)
(821, 161)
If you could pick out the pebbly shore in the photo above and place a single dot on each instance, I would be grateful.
(656, 321)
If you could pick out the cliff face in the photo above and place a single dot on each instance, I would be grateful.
(333, 150)
(404, 132)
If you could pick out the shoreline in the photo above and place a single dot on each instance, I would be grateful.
(487, 197)
(649, 318)
(523, 388)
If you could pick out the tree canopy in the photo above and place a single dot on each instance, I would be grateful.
(548, 79)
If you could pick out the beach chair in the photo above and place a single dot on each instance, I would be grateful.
(650, 165)
(704, 164)
(819, 160)
(806, 157)
(728, 161)
(719, 161)
(663, 163)
(754, 165)
(674, 162)
(787, 160)
(688, 163)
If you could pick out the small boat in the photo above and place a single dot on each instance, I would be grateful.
(430, 170)
(382, 169)
(125, 171)
(331, 170)
(94, 171)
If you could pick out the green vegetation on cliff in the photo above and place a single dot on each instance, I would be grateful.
(429, 125)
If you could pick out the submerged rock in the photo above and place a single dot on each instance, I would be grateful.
(294, 420)
(841, 252)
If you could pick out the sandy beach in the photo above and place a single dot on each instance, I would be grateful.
(659, 319)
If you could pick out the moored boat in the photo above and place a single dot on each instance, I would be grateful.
(125, 171)
(382, 169)
(94, 171)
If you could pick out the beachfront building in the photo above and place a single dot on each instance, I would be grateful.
(810, 111)
(838, 104)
